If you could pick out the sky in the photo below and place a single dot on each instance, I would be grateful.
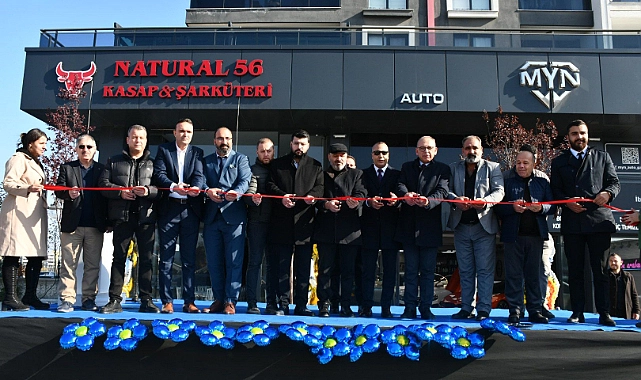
(20, 28)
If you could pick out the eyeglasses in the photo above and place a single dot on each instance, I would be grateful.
(425, 148)
(379, 152)
(85, 146)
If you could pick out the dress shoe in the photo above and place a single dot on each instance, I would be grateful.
(147, 306)
(386, 312)
(346, 312)
(536, 317)
(334, 309)
(576, 318)
(303, 311)
(190, 307)
(409, 313)
(547, 314)
(89, 305)
(65, 307)
(514, 318)
(606, 320)
(365, 312)
(463, 314)
(481, 315)
(284, 306)
(426, 313)
(216, 307)
(252, 308)
(167, 308)
(272, 309)
(230, 308)
(113, 306)
(323, 309)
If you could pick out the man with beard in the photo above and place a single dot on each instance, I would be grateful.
(474, 225)
(378, 225)
(337, 229)
(298, 179)
(424, 182)
(624, 299)
(585, 172)
(227, 176)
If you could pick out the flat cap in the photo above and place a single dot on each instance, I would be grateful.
(337, 148)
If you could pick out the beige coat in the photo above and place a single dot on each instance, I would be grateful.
(23, 217)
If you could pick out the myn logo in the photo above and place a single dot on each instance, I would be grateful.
(557, 75)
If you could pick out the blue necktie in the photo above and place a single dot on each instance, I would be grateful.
(380, 175)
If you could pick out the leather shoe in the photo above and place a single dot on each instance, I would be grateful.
(230, 308)
(514, 318)
(536, 317)
(547, 314)
(481, 315)
(113, 306)
(252, 308)
(216, 307)
(147, 306)
(426, 313)
(365, 312)
(346, 312)
(303, 311)
(167, 308)
(576, 318)
(323, 310)
(463, 314)
(272, 309)
(606, 320)
(190, 307)
(386, 312)
(89, 305)
(409, 313)
(284, 306)
(334, 309)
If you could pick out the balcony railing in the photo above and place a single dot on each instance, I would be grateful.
(422, 37)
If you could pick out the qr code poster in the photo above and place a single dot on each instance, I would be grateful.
(625, 157)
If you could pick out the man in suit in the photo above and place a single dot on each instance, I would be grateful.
(227, 175)
(425, 182)
(585, 172)
(178, 167)
(378, 226)
(299, 179)
(337, 229)
(475, 225)
(132, 213)
(84, 222)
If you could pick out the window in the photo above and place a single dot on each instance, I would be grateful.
(387, 4)
(472, 8)
(473, 40)
(556, 5)
(471, 5)
(388, 37)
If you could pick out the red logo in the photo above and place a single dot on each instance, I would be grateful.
(74, 80)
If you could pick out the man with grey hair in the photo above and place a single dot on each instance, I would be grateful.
(475, 186)
(84, 222)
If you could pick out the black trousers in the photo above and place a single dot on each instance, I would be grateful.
(123, 233)
(328, 255)
(522, 261)
(279, 256)
(598, 245)
(369, 257)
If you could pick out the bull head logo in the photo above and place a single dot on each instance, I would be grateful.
(74, 80)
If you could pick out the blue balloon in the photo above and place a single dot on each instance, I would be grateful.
(444, 329)
(70, 328)
(216, 325)
(388, 336)
(315, 349)
(112, 343)
(395, 349)
(488, 323)
(424, 334)
(209, 340)
(188, 326)
(294, 335)
(340, 349)
(476, 339)
(130, 324)
(244, 337)
(517, 335)
(202, 330)
(161, 332)
(244, 328)
(372, 331)
(325, 355)
(262, 340)
(328, 330)
(84, 343)
(97, 329)
(68, 340)
(261, 324)
(458, 332)
(459, 352)
(476, 352)
(226, 343)
(315, 331)
(175, 321)
(343, 334)
(89, 321)
(428, 325)
(140, 332)
(502, 327)
(299, 325)
(358, 329)
(271, 332)
(229, 332)
(399, 329)
(179, 335)
(283, 328)
(157, 322)
(114, 332)
(412, 352)
(129, 344)
(355, 354)
(442, 338)
(371, 345)
(312, 341)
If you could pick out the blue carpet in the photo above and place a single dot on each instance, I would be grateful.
(442, 316)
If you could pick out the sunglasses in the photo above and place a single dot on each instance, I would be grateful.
(378, 152)
(85, 146)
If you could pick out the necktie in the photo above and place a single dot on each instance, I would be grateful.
(380, 175)
(580, 156)
(221, 163)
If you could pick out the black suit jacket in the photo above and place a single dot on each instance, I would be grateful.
(342, 227)
(294, 225)
(379, 226)
(422, 226)
(71, 176)
(166, 173)
(568, 179)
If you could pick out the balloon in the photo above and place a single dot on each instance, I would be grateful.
(388, 336)
(202, 330)
(97, 329)
(262, 340)
(229, 332)
(412, 352)
(89, 321)
(488, 323)
(458, 331)
(424, 334)
(70, 328)
(476, 352)
(395, 349)
(188, 326)
(271, 332)
(517, 335)
(294, 335)
(130, 324)
(129, 344)
(459, 352)
(315, 331)
(226, 343)
(476, 339)
(112, 343)
(372, 345)
(444, 329)
(261, 324)
(343, 334)
(140, 332)
(358, 329)
(244, 337)
(209, 340)
(81, 331)
(68, 340)
(312, 341)
(340, 349)
(216, 325)
(328, 330)
(355, 354)
(84, 343)
(325, 355)
(114, 331)
(161, 332)
(372, 331)
(179, 335)
(283, 328)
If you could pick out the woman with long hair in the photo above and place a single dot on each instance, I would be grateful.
(23, 221)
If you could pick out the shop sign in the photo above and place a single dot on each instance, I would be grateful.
(559, 77)
(75, 80)
(422, 98)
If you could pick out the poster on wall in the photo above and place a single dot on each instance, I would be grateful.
(625, 158)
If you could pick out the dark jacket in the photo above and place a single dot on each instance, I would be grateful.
(121, 172)
(294, 225)
(379, 226)
(166, 173)
(595, 174)
(342, 227)
(262, 212)
(540, 191)
(71, 176)
(631, 297)
(422, 226)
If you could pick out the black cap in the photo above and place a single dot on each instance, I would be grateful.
(337, 148)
